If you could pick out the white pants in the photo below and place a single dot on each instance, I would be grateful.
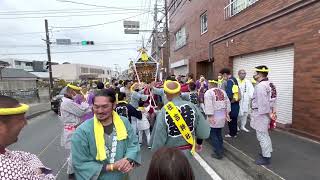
(134, 124)
(147, 133)
(265, 143)
(242, 120)
(70, 167)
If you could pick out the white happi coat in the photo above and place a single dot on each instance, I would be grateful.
(263, 101)
(22, 165)
(217, 103)
(143, 123)
(247, 90)
(71, 114)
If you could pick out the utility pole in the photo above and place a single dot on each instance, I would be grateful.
(49, 57)
(167, 66)
(156, 36)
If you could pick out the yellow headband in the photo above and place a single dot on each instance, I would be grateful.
(74, 87)
(213, 81)
(132, 87)
(14, 111)
(262, 70)
(171, 91)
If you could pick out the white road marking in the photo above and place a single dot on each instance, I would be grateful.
(44, 149)
(206, 167)
(65, 163)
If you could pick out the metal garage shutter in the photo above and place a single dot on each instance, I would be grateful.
(281, 63)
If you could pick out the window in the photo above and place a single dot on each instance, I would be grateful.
(18, 63)
(236, 6)
(204, 23)
(181, 38)
(28, 63)
(84, 70)
(96, 71)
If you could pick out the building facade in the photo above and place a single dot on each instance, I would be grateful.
(74, 72)
(208, 35)
(28, 65)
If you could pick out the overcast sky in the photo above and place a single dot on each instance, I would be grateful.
(24, 35)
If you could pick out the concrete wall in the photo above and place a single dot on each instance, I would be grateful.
(67, 72)
(6, 84)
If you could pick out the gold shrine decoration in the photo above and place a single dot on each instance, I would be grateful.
(144, 56)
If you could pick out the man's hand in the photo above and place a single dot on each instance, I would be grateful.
(123, 165)
(228, 118)
(38, 171)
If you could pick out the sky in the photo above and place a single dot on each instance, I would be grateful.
(23, 37)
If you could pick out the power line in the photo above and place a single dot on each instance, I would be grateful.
(67, 52)
(53, 10)
(72, 45)
(93, 25)
(74, 15)
(23, 33)
(93, 5)
(61, 12)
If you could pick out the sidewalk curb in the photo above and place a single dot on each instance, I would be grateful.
(247, 164)
(33, 115)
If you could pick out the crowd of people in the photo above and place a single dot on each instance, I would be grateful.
(104, 126)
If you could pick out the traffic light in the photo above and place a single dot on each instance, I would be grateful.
(87, 43)
(47, 64)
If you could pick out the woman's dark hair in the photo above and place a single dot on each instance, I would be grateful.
(192, 86)
(121, 96)
(169, 164)
(225, 71)
(100, 85)
(106, 93)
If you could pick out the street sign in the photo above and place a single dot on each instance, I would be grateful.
(63, 41)
(131, 27)
(131, 31)
(131, 24)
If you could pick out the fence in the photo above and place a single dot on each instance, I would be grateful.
(29, 95)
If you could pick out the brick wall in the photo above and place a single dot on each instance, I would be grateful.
(300, 29)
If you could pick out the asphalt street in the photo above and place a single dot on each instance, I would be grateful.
(42, 137)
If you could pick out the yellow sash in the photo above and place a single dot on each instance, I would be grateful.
(99, 134)
(180, 123)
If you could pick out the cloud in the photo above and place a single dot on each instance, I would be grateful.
(11, 32)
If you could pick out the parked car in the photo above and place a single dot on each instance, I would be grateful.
(56, 100)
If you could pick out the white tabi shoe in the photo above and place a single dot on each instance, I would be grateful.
(245, 129)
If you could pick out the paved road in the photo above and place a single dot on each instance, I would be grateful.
(42, 137)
